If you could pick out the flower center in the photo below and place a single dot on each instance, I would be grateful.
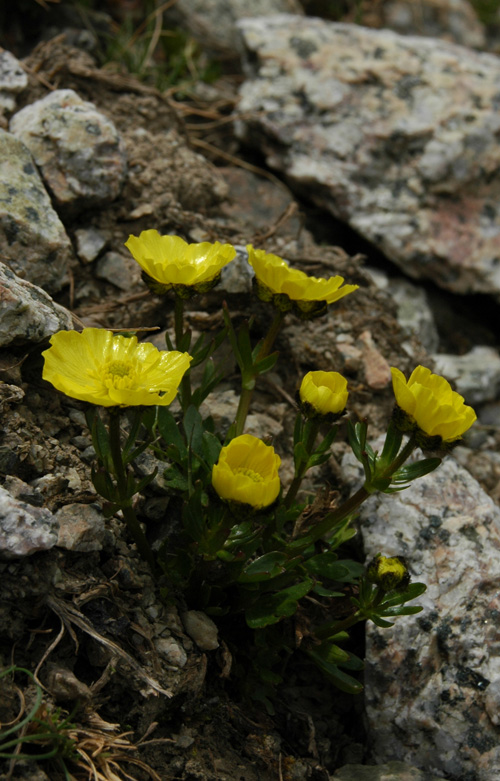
(242, 470)
(119, 375)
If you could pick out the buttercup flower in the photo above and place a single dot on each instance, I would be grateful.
(388, 573)
(247, 472)
(287, 288)
(323, 393)
(170, 262)
(112, 370)
(427, 402)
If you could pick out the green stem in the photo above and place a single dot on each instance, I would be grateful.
(129, 515)
(334, 627)
(347, 508)
(185, 389)
(248, 383)
(312, 428)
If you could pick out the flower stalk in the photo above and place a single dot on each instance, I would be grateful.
(123, 498)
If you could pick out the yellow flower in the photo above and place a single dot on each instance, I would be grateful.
(289, 288)
(247, 472)
(111, 370)
(431, 404)
(325, 392)
(171, 262)
(388, 573)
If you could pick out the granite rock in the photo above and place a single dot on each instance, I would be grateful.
(13, 79)
(28, 315)
(33, 242)
(452, 20)
(213, 21)
(391, 771)
(397, 136)
(427, 679)
(476, 374)
(24, 529)
(78, 150)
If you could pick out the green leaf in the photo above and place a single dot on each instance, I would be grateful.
(340, 679)
(413, 471)
(266, 364)
(193, 427)
(326, 592)
(265, 567)
(175, 479)
(100, 440)
(327, 441)
(211, 448)
(412, 591)
(169, 431)
(272, 608)
(193, 515)
(103, 484)
(392, 444)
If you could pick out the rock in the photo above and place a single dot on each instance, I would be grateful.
(414, 310)
(24, 529)
(391, 771)
(28, 315)
(397, 136)
(89, 243)
(201, 629)
(377, 370)
(475, 374)
(452, 20)
(426, 678)
(33, 242)
(12, 80)
(236, 277)
(213, 21)
(81, 527)
(78, 150)
(171, 650)
(124, 273)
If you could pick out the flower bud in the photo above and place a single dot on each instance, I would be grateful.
(323, 394)
(388, 573)
(428, 406)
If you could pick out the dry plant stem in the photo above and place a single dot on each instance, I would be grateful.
(179, 334)
(129, 515)
(297, 480)
(248, 384)
(354, 501)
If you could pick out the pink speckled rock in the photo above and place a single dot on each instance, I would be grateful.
(427, 679)
(397, 136)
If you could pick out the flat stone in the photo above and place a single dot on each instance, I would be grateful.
(33, 242)
(78, 150)
(122, 272)
(397, 136)
(89, 243)
(24, 529)
(476, 374)
(201, 629)
(28, 315)
(81, 527)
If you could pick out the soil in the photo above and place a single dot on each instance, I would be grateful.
(85, 622)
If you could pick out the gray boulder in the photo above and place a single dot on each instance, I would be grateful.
(33, 242)
(397, 136)
(78, 150)
(28, 315)
(427, 679)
